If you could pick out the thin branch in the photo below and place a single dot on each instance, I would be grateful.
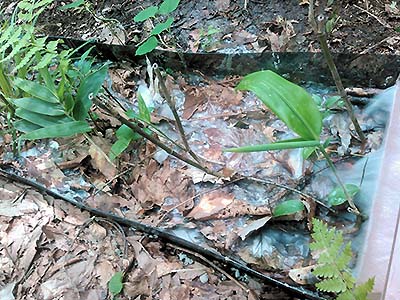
(163, 234)
(319, 28)
(155, 141)
(171, 105)
(267, 181)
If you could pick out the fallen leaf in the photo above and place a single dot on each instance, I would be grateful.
(303, 275)
(255, 225)
(210, 205)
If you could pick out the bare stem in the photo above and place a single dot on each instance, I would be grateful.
(171, 105)
(157, 142)
(319, 29)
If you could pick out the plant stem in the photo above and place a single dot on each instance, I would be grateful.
(171, 105)
(157, 142)
(353, 207)
(319, 29)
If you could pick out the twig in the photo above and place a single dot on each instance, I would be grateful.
(209, 253)
(157, 142)
(319, 29)
(171, 105)
(214, 266)
(271, 182)
(372, 15)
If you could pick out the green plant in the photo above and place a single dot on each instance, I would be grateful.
(165, 9)
(115, 284)
(333, 264)
(297, 109)
(125, 135)
(206, 37)
(47, 92)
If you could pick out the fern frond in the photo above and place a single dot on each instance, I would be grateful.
(326, 271)
(335, 285)
(333, 264)
(361, 291)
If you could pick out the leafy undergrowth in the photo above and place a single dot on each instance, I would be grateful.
(52, 249)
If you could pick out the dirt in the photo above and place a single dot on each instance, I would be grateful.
(363, 26)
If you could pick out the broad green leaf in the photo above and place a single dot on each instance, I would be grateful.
(40, 119)
(144, 112)
(124, 132)
(162, 26)
(115, 285)
(338, 197)
(149, 45)
(291, 103)
(59, 130)
(118, 147)
(168, 6)
(74, 4)
(146, 14)
(25, 126)
(36, 90)
(289, 144)
(39, 106)
(87, 90)
(288, 207)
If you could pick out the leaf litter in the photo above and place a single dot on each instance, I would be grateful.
(51, 249)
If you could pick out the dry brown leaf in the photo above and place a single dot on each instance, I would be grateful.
(98, 152)
(44, 170)
(210, 205)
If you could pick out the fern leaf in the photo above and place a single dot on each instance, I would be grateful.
(326, 271)
(23, 43)
(344, 258)
(335, 285)
(347, 295)
(361, 291)
(10, 40)
(27, 58)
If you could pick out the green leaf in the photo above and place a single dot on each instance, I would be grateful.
(87, 90)
(288, 144)
(307, 152)
(332, 101)
(125, 136)
(291, 103)
(40, 119)
(362, 290)
(74, 4)
(149, 45)
(40, 106)
(338, 197)
(59, 130)
(25, 126)
(144, 112)
(115, 285)
(162, 26)
(331, 285)
(146, 14)
(288, 207)
(168, 6)
(36, 90)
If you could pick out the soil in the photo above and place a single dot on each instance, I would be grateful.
(369, 26)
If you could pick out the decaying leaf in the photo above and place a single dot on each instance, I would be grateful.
(303, 275)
